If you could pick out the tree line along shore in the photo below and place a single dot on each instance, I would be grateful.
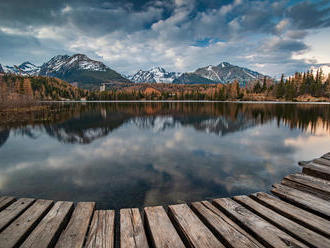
(17, 92)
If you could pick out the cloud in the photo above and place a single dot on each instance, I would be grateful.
(307, 15)
(284, 45)
(129, 35)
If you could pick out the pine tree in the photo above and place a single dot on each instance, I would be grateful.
(264, 85)
(280, 89)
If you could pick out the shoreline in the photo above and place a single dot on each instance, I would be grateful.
(185, 101)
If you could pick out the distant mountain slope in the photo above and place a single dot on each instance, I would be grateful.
(1, 69)
(76, 68)
(90, 73)
(80, 68)
(24, 69)
(222, 73)
(192, 78)
(227, 73)
(154, 75)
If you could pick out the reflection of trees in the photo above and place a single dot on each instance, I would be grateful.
(4, 135)
(223, 118)
(86, 122)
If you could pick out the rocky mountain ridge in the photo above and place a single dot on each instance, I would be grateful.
(76, 68)
(154, 75)
(222, 73)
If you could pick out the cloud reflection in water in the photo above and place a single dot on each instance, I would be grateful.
(121, 157)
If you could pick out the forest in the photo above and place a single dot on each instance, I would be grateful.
(308, 86)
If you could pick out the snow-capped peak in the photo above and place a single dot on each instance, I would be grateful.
(24, 69)
(154, 75)
(61, 64)
(224, 64)
(157, 70)
(225, 72)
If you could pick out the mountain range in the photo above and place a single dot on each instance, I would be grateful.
(222, 73)
(75, 68)
(79, 68)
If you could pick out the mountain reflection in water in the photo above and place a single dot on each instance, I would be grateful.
(137, 154)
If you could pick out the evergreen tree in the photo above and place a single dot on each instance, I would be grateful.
(280, 89)
(264, 85)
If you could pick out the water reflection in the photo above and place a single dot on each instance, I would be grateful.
(137, 154)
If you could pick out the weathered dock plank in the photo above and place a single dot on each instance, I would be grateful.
(317, 170)
(300, 218)
(263, 231)
(305, 188)
(18, 230)
(102, 230)
(303, 217)
(231, 234)
(132, 234)
(5, 201)
(297, 231)
(13, 211)
(322, 161)
(162, 231)
(317, 183)
(302, 199)
(49, 228)
(326, 156)
(192, 228)
(74, 234)
(312, 185)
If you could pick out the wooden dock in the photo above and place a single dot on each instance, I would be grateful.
(298, 215)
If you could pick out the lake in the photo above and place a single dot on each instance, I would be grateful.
(141, 154)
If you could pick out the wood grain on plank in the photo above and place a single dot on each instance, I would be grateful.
(314, 182)
(102, 230)
(322, 161)
(233, 235)
(302, 199)
(50, 227)
(162, 232)
(5, 201)
(13, 211)
(305, 218)
(263, 231)
(18, 230)
(326, 156)
(193, 229)
(74, 234)
(305, 188)
(317, 170)
(132, 232)
(298, 231)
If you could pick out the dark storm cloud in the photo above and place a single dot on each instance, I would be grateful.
(289, 45)
(296, 34)
(307, 15)
(18, 13)
(89, 16)
(106, 20)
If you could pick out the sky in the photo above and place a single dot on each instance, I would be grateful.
(271, 37)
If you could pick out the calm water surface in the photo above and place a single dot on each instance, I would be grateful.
(137, 154)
